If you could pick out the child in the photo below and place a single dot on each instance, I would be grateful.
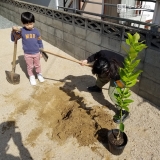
(31, 42)
(106, 65)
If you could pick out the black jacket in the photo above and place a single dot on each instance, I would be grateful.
(106, 54)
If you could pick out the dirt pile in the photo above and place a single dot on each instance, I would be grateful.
(64, 113)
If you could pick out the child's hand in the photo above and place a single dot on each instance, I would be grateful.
(41, 52)
(15, 28)
(41, 55)
(84, 62)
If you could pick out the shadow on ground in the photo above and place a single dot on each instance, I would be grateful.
(101, 135)
(81, 83)
(22, 64)
(7, 131)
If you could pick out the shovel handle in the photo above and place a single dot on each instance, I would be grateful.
(73, 60)
(14, 57)
(16, 37)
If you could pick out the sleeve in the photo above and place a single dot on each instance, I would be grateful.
(12, 37)
(18, 35)
(39, 40)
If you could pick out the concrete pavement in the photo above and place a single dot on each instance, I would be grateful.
(18, 119)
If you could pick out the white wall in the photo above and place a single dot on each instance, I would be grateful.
(156, 16)
(47, 3)
(95, 8)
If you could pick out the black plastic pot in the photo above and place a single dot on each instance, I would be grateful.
(116, 149)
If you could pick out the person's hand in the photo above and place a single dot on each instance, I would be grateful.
(40, 52)
(84, 62)
(16, 33)
(15, 28)
(41, 55)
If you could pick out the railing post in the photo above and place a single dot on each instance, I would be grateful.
(156, 19)
(102, 10)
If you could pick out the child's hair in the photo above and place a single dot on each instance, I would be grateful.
(101, 65)
(27, 17)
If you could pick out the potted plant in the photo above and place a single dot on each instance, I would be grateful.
(117, 139)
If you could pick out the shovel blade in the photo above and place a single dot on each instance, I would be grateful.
(12, 77)
(44, 55)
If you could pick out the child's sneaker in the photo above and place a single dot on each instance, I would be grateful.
(32, 80)
(40, 77)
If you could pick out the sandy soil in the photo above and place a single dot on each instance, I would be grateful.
(60, 120)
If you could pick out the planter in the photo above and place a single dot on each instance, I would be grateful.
(116, 147)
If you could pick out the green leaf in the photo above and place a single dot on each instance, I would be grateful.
(136, 37)
(118, 90)
(140, 47)
(126, 108)
(137, 44)
(127, 95)
(127, 61)
(125, 66)
(116, 95)
(128, 42)
(135, 63)
(126, 90)
(124, 105)
(123, 74)
(124, 78)
(132, 53)
(131, 83)
(128, 101)
(121, 127)
(130, 38)
(135, 75)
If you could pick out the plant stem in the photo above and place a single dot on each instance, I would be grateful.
(121, 115)
(118, 136)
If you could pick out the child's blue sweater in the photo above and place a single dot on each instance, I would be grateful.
(31, 40)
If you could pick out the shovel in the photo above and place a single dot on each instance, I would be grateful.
(61, 56)
(11, 76)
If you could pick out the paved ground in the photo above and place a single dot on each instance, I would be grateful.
(31, 129)
(5, 23)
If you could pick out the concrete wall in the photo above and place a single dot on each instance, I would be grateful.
(80, 37)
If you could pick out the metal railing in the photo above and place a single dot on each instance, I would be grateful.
(110, 17)
(125, 21)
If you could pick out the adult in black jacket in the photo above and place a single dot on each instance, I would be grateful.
(106, 54)
(105, 66)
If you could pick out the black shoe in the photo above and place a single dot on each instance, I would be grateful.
(94, 89)
(125, 115)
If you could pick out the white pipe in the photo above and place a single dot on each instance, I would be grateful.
(57, 4)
